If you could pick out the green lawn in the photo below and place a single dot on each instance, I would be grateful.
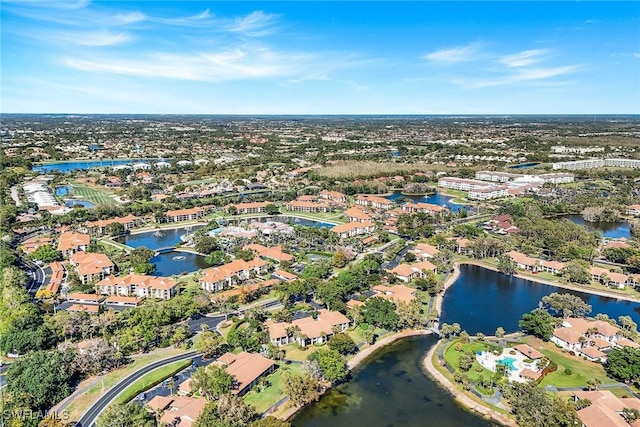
(453, 358)
(273, 393)
(93, 195)
(581, 370)
(151, 379)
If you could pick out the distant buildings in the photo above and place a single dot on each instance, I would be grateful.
(597, 163)
(184, 214)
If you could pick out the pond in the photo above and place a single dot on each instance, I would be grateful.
(435, 199)
(613, 230)
(63, 190)
(389, 389)
(156, 239)
(70, 203)
(480, 300)
(170, 263)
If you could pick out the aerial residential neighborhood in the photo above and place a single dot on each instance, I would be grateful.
(277, 214)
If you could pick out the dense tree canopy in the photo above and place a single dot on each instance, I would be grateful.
(624, 364)
(125, 415)
(565, 305)
(42, 378)
(539, 323)
(534, 407)
(380, 312)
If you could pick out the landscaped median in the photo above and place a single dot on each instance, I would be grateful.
(95, 387)
(151, 379)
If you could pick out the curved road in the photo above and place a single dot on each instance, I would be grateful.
(89, 417)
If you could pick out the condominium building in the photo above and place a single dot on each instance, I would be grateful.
(462, 184)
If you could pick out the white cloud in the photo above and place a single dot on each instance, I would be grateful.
(636, 54)
(524, 58)
(256, 23)
(101, 38)
(520, 76)
(454, 55)
(130, 18)
(226, 65)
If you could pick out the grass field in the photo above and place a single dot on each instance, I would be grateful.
(273, 393)
(151, 379)
(581, 370)
(93, 195)
(453, 358)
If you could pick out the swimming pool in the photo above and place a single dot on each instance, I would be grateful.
(508, 361)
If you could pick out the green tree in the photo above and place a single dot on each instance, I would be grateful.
(577, 271)
(539, 323)
(209, 343)
(206, 244)
(409, 314)
(380, 312)
(506, 265)
(270, 421)
(115, 229)
(624, 364)
(125, 415)
(216, 258)
(565, 305)
(212, 381)
(272, 209)
(46, 253)
(42, 378)
(301, 389)
(534, 407)
(343, 344)
(229, 411)
(331, 364)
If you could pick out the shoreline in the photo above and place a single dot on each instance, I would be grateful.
(460, 397)
(359, 358)
(456, 274)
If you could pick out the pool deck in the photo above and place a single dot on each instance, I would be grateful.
(489, 360)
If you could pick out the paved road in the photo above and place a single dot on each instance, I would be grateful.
(389, 265)
(38, 276)
(89, 417)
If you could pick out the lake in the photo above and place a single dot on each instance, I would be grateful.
(156, 239)
(169, 263)
(66, 167)
(613, 230)
(480, 300)
(389, 389)
(435, 199)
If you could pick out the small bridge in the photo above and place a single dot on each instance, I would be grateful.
(164, 250)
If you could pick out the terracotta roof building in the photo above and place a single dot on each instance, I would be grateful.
(71, 242)
(246, 368)
(138, 285)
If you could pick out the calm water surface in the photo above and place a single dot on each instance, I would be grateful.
(435, 199)
(171, 263)
(389, 390)
(614, 230)
(155, 240)
(66, 167)
(481, 300)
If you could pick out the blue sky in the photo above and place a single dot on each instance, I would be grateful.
(320, 57)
